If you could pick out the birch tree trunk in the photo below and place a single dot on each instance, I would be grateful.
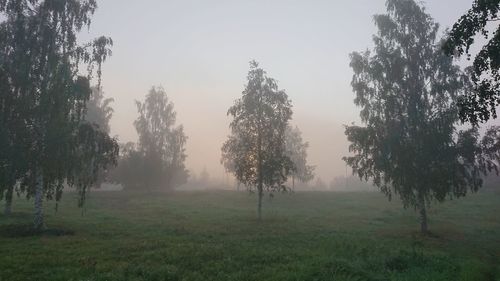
(38, 222)
(8, 201)
(424, 229)
(260, 186)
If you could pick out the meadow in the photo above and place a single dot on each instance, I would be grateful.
(214, 235)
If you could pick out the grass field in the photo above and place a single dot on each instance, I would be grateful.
(215, 236)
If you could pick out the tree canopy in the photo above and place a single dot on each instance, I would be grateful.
(157, 160)
(479, 105)
(411, 145)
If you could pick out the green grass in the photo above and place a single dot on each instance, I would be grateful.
(215, 236)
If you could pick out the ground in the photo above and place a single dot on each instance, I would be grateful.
(215, 236)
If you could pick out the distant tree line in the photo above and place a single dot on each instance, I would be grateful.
(350, 183)
(414, 100)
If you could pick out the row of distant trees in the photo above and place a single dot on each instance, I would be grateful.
(156, 162)
(412, 143)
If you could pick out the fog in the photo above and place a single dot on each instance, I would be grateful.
(249, 140)
(199, 52)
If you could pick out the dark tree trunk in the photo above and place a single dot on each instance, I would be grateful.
(260, 185)
(8, 201)
(260, 189)
(424, 229)
(38, 222)
(293, 183)
(261, 194)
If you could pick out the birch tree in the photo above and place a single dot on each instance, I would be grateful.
(45, 95)
(158, 158)
(256, 146)
(411, 144)
(297, 152)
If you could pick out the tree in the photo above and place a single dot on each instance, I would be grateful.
(99, 112)
(296, 150)
(480, 104)
(177, 172)
(44, 99)
(410, 145)
(157, 161)
(256, 145)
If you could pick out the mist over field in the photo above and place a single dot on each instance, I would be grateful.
(249, 140)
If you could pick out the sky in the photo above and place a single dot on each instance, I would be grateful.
(199, 52)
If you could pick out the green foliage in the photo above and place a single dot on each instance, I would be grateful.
(407, 91)
(99, 113)
(157, 161)
(255, 151)
(94, 152)
(43, 97)
(215, 236)
(256, 146)
(130, 169)
(478, 105)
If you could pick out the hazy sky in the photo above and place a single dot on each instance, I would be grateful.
(199, 52)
